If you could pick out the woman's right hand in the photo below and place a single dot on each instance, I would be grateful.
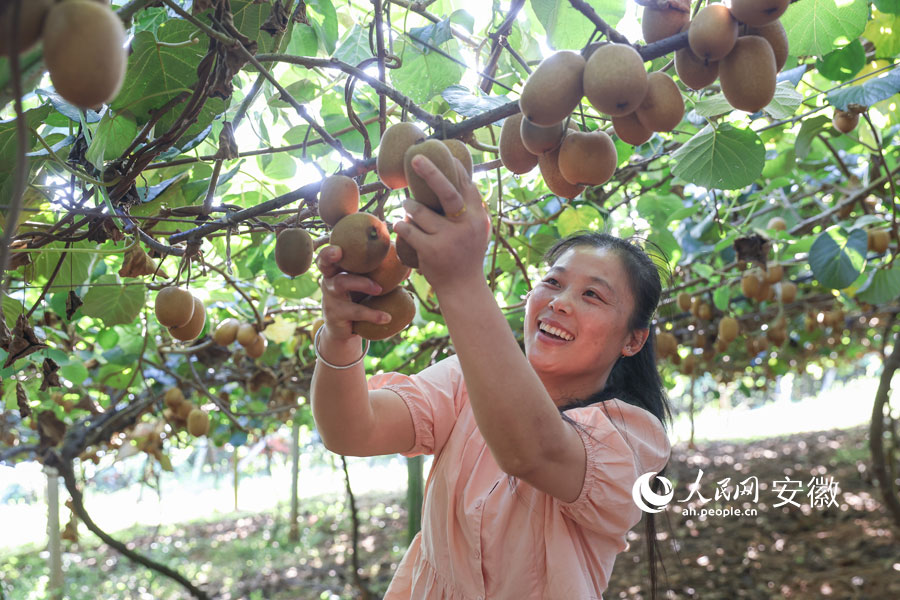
(338, 310)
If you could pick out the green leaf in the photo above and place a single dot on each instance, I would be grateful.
(868, 93)
(355, 47)
(324, 20)
(112, 304)
(841, 65)
(658, 210)
(304, 41)
(108, 338)
(111, 138)
(199, 128)
(816, 27)
(726, 158)
(280, 166)
(785, 102)
(468, 104)
(721, 297)
(888, 6)
(669, 246)
(578, 218)
(567, 27)
(462, 17)
(808, 132)
(248, 17)
(74, 372)
(8, 148)
(884, 31)
(75, 268)
(423, 76)
(883, 286)
(711, 106)
(837, 257)
(296, 288)
(12, 308)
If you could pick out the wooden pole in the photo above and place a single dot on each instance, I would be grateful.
(294, 534)
(54, 545)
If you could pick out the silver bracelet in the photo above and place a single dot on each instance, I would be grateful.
(338, 367)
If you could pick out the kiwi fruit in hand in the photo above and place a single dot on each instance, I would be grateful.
(363, 239)
(398, 303)
(84, 50)
(294, 251)
(391, 272)
(438, 153)
(461, 153)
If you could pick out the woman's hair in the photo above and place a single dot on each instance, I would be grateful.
(633, 379)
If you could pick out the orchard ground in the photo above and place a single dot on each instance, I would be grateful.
(781, 552)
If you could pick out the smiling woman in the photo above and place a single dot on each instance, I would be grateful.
(571, 424)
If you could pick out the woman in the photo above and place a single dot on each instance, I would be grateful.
(491, 415)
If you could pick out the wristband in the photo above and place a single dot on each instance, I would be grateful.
(328, 364)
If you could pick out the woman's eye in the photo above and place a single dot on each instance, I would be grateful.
(595, 295)
(551, 281)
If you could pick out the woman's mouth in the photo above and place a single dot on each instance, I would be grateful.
(553, 333)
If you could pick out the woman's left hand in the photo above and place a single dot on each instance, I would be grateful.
(451, 247)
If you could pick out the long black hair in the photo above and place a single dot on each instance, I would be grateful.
(633, 379)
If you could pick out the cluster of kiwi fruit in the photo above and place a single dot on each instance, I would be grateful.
(181, 312)
(182, 413)
(84, 45)
(231, 330)
(744, 46)
(767, 285)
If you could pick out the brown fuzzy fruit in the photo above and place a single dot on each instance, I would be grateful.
(713, 32)
(554, 89)
(396, 140)
(777, 223)
(173, 398)
(460, 153)
(685, 301)
(747, 74)
(659, 24)
(844, 121)
(757, 13)
(728, 329)
(774, 273)
(192, 328)
(537, 139)
(587, 158)
(84, 51)
(198, 423)
(615, 80)
(775, 34)
(174, 306)
(549, 164)
(398, 303)
(696, 73)
(513, 153)
(32, 15)
(338, 197)
(440, 155)
(878, 240)
(390, 273)
(406, 253)
(787, 291)
(293, 251)
(750, 284)
(364, 241)
(630, 130)
(246, 335)
(663, 107)
(666, 344)
(226, 332)
(258, 347)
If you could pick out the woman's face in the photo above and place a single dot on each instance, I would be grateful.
(576, 321)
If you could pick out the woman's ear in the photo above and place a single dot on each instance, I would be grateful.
(635, 341)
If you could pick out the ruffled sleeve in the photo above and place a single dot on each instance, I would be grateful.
(434, 398)
(621, 443)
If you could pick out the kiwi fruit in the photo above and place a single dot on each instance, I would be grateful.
(554, 89)
(32, 15)
(537, 139)
(666, 344)
(363, 239)
(694, 72)
(84, 51)
(713, 32)
(174, 306)
(728, 329)
(659, 24)
(663, 107)
(183, 410)
(338, 197)
(293, 251)
(756, 13)
(394, 143)
(398, 303)
(774, 273)
(391, 272)
(747, 74)
(315, 327)
(513, 153)
(777, 223)
(173, 398)
(258, 347)
(750, 285)
(559, 185)
(440, 155)
(461, 153)
(407, 254)
(587, 158)
(878, 240)
(615, 80)
(787, 291)
(198, 423)
(704, 311)
(630, 130)
(844, 121)
(192, 328)
(246, 335)
(775, 34)
(685, 301)
(226, 332)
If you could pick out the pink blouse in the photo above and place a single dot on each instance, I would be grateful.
(485, 538)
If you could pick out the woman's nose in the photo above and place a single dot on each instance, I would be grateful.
(560, 303)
